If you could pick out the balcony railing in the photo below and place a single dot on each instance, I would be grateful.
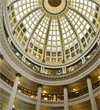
(44, 96)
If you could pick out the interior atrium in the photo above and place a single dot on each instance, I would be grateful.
(49, 54)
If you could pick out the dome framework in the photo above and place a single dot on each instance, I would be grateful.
(54, 36)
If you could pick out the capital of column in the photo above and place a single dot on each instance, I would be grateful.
(65, 86)
(88, 76)
(39, 85)
(18, 74)
(1, 56)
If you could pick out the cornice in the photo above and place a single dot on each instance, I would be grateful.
(16, 63)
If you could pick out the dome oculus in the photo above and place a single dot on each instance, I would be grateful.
(54, 3)
(54, 6)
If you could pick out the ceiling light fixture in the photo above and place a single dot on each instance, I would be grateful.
(45, 98)
(13, 106)
(99, 77)
(77, 92)
(74, 89)
(32, 96)
(44, 91)
(46, 73)
(19, 82)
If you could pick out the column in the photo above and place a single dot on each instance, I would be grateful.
(92, 98)
(66, 106)
(38, 104)
(13, 93)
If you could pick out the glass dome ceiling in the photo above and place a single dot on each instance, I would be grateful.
(54, 30)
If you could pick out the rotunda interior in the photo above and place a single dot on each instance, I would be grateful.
(50, 54)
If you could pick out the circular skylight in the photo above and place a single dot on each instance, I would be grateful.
(54, 3)
(54, 30)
